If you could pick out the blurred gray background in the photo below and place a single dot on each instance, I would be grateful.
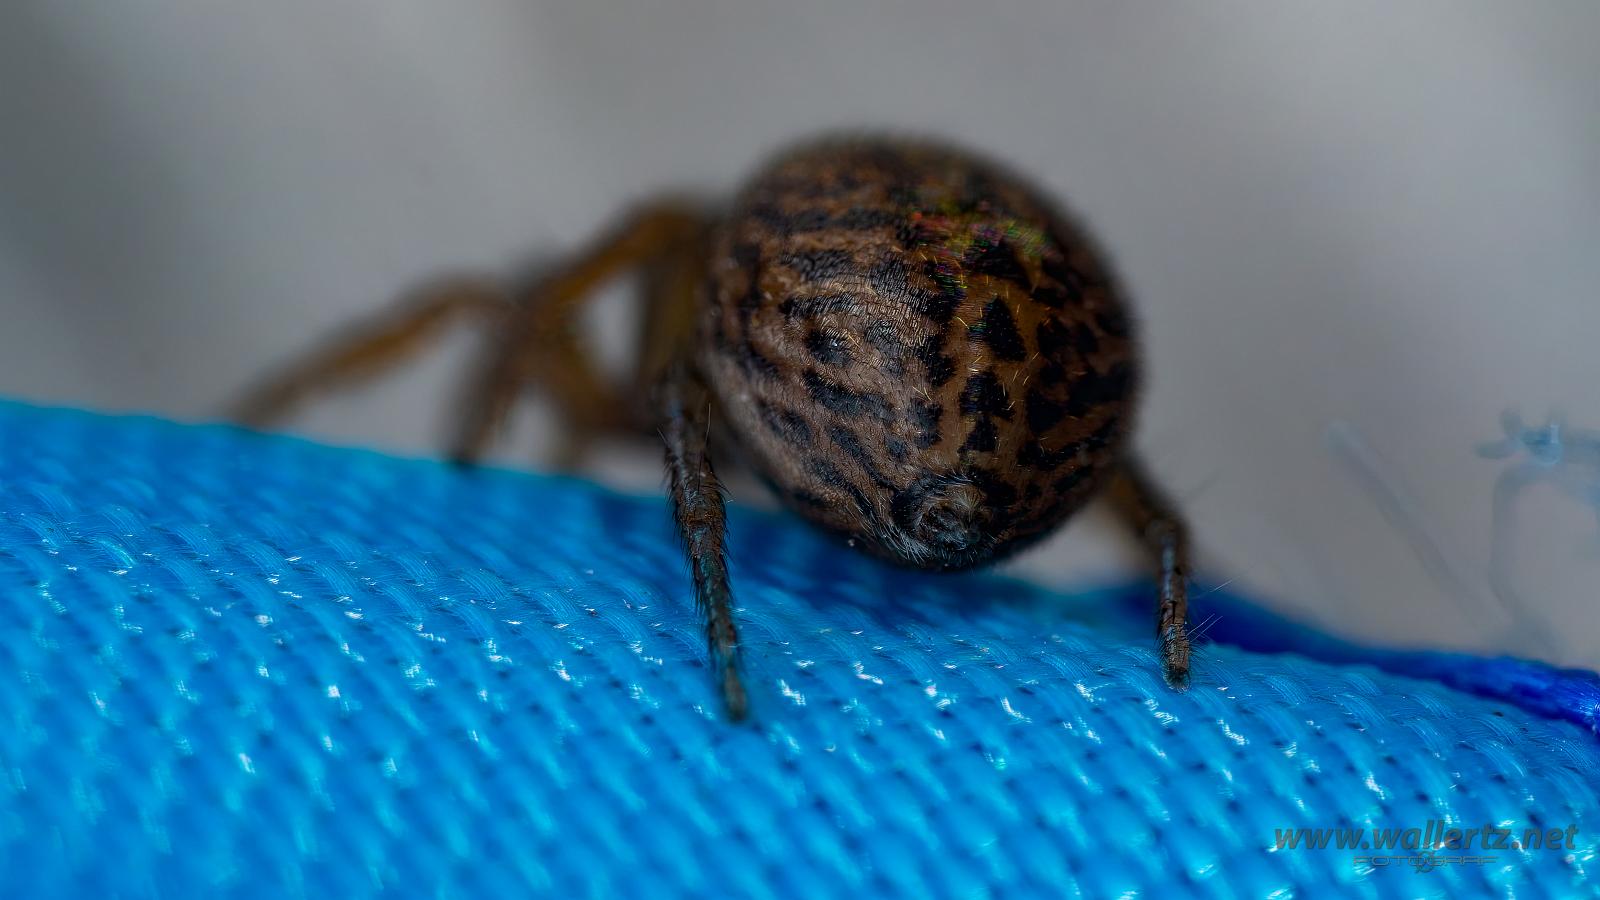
(1378, 214)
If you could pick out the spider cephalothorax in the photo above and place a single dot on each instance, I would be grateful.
(909, 344)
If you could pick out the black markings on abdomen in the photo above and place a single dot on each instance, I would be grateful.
(999, 494)
(830, 475)
(996, 261)
(819, 265)
(984, 437)
(925, 418)
(939, 305)
(787, 426)
(828, 347)
(998, 329)
(983, 400)
(857, 218)
(821, 305)
(1094, 389)
(1033, 455)
(941, 368)
(850, 443)
(1066, 287)
(843, 401)
(984, 396)
(888, 278)
(1064, 342)
(1043, 411)
(883, 337)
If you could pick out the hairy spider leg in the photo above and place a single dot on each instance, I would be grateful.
(536, 340)
(371, 347)
(542, 344)
(1160, 527)
(698, 507)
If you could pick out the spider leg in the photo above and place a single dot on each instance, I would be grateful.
(370, 347)
(542, 344)
(1161, 528)
(702, 522)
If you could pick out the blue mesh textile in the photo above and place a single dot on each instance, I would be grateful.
(254, 666)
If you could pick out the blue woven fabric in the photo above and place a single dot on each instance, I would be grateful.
(246, 665)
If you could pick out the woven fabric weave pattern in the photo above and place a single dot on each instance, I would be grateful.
(247, 665)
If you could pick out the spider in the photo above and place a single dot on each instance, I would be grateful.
(913, 347)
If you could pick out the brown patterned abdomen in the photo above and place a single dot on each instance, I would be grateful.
(916, 350)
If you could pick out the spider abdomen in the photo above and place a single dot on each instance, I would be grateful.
(916, 350)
